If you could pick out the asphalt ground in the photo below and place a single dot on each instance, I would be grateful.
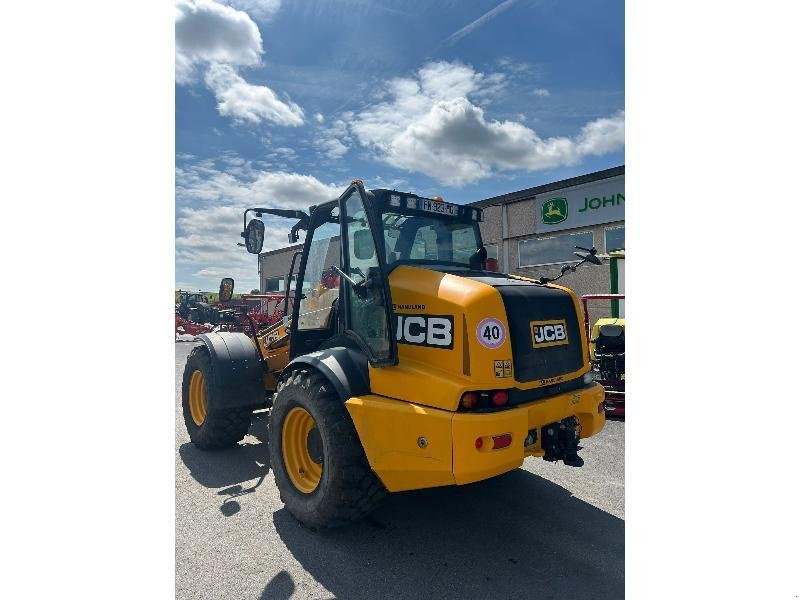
(541, 531)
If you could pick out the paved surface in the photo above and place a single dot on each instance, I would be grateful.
(542, 531)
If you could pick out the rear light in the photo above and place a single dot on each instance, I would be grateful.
(487, 399)
(501, 441)
(500, 397)
(469, 400)
(479, 443)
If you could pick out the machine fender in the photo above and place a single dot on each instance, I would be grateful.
(238, 372)
(346, 368)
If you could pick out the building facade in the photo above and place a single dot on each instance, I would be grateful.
(533, 232)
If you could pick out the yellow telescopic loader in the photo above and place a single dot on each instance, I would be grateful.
(402, 363)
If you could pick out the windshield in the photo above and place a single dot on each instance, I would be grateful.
(429, 239)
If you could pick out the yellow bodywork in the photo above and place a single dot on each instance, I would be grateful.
(447, 374)
(410, 446)
(409, 428)
(596, 330)
(274, 347)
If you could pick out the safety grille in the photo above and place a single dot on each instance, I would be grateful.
(526, 303)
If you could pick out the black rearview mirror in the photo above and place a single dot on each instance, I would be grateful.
(254, 236)
(363, 245)
(226, 289)
(591, 255)
(478, 260)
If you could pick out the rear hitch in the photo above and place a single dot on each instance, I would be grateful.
(560, 442)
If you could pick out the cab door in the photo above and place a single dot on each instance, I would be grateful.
(315, 310)
(367, 304)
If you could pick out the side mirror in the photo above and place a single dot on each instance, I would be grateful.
(363, 245)
(226, 289)
(254, 236)
(591, 255)
(478, 260)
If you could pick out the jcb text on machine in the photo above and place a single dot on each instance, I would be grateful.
(401, 364)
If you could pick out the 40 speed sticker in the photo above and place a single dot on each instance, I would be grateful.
(491, 333)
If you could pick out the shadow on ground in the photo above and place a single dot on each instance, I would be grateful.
(515, 536)
(230, 468)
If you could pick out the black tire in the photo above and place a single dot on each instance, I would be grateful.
(221, 428)
(348, 489)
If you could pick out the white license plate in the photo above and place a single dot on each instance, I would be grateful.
(451, 210)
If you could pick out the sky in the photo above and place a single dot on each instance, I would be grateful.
(282, 103)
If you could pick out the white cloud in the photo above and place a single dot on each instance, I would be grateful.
(333, 142)
(542, 92)
(243, 101)
(210, 202)
(602, 135)
(319, 118)
(263, 10)
(429, 125)
(219, 39)
(206, 32)
(203, 181)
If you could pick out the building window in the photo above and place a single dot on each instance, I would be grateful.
(553, 250)
(277, 284)
(615, 238)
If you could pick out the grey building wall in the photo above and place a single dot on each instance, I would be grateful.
(588, 279)
(275, 264)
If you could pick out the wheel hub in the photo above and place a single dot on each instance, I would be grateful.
(302, 450)
(198, 405)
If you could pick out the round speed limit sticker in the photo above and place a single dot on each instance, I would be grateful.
(491, 333)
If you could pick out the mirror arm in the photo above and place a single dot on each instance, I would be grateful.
(590, 257)
(349, 279)
(279, 212)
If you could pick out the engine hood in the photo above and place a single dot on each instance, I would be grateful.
(476, 330)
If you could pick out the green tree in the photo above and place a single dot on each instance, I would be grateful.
(255, 291)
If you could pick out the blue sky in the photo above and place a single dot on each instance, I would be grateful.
(282, 103)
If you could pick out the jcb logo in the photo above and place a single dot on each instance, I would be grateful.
(549, 333)
(435, 331)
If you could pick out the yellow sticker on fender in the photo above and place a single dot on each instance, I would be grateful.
(549, 333)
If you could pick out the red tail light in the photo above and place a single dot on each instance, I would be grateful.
(501, 441)
(500, 397)
(470, 400)
(479, 443)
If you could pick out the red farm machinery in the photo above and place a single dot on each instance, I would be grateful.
(248, 314)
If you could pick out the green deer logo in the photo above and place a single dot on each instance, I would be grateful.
(555, 211)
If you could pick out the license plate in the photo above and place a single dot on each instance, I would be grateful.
(442, 208)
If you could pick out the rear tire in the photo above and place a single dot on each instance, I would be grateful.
(347, 489)
(209, 427)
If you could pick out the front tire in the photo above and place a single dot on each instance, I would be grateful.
(209, 426)
(320, 468)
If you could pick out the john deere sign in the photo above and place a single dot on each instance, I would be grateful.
(588, 204)
(554, 211)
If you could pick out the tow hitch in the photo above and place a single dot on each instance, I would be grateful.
(560, 442)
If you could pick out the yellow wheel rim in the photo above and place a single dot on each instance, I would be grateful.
(302, 450)
(198, 406)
